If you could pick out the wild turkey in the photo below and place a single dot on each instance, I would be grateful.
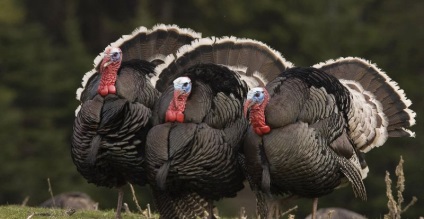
(192, 151)
(311, 126)
(117, 98)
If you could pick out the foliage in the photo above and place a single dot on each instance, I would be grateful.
(47, 46)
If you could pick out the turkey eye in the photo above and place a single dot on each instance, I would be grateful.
(115, 54)
(257, 94)
(185, 84)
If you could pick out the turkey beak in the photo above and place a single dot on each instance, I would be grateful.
(247, 106)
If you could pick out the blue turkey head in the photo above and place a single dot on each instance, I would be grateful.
(182, 85)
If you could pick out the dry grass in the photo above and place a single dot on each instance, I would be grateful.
(395, 206)
(13, 211)
(22, 212)
(51, 191)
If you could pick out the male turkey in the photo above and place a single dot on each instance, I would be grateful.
(117, 98)
(311, 126)
(192, 151)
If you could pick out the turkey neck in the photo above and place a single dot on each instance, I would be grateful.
(108, 76)
(257, 115)
(178, 103)
(176, 107)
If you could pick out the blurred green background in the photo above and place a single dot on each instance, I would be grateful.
(46, 46)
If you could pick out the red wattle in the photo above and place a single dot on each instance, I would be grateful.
(265, 129)
(262, 130)
(257, 115)
(108, 71)
(112, 89)
(180, 117)
(170, 116)
(175, 112)
(258, 131)
(174, 116)
(103, 91)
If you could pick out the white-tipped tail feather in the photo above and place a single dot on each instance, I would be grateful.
(254, 61)
(379, 107)
(366, 118)
(162, 41)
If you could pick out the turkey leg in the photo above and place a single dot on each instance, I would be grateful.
(119, 207)
(314, 208)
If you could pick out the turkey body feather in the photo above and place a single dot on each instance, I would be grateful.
(199, 156)
(196, 158)
(117, 97)
(108, 131)
(321, 120)
(306, 115)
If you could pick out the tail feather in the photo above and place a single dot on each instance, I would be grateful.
(256, 62)
(386, 102)
(162, 40)
(146, 44)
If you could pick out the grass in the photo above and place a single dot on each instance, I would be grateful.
(22, 212)
(395, 206)
(18, 211)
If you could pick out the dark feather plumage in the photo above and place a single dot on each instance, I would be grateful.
(199, 157)
(322, 119)
(110, 132)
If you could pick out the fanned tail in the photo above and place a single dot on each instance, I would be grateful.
(255, 62)
(156, 43)
(151, 45)
(380, 107)
(189, 205)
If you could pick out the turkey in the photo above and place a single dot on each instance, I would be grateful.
(192, 151)
(117, 98)
(312, 125)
